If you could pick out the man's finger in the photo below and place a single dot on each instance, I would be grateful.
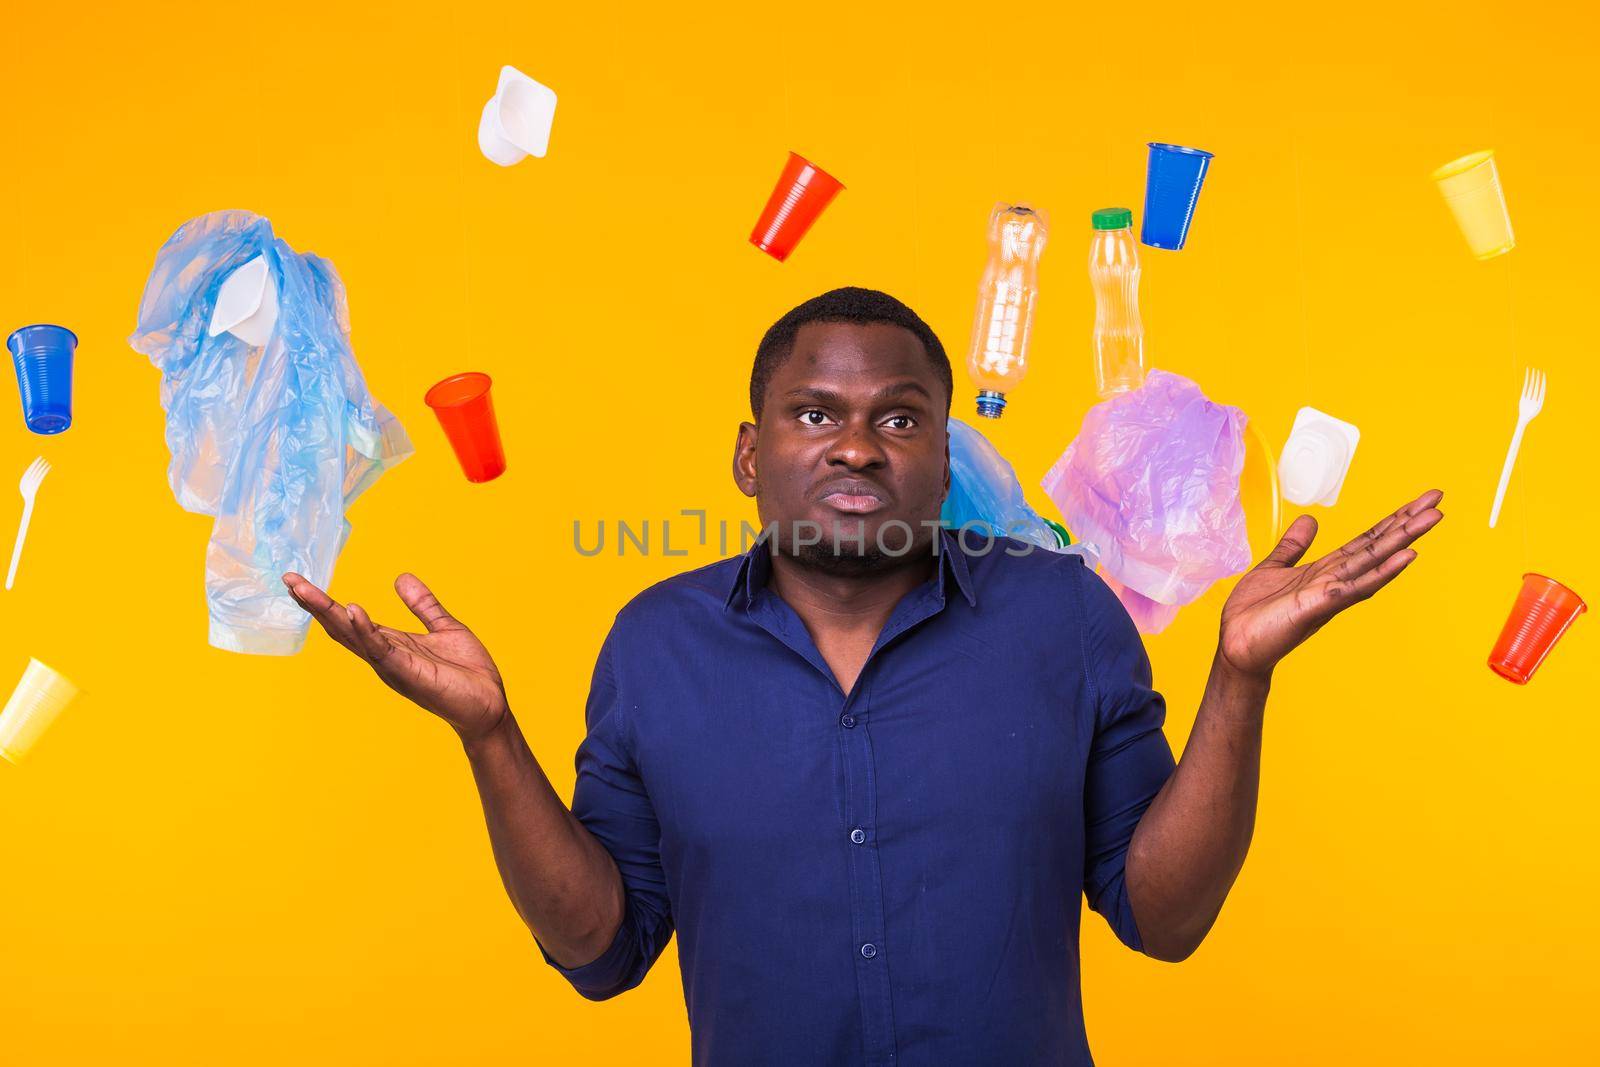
(423, 604)
(1294, 543)
(1342, 594)
(305, 593)
(1427, 500)
(1362, 555)
(373, 644)
(1363, 546)
(329, 613)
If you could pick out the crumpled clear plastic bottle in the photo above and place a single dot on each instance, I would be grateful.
(998, 357)
(274, 440)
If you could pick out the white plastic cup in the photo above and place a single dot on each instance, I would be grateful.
(1471, 186)
(34, 705)
(516, 121)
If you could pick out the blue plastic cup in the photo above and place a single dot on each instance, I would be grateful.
(43, 357)
(1171, 189)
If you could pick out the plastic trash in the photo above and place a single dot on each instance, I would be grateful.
(247, 304)
(1089, 552)
(1316, 458)
(516, 121)
(43, 357)
(466, 412)
(38, 699)
(29, 487)
(1471, 187)
(998, 358)
(1171, 191)
(1152, 480)
(803, 191)
(1529, 404)
(1114, 274)
(1149, 616)
(986, 496)
(1259, 492)
(1544, 610)
(276, 440)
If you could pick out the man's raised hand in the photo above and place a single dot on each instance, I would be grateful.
(446, 670)
(1277, 605)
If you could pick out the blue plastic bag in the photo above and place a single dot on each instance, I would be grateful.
(985, 494)
(275, 441)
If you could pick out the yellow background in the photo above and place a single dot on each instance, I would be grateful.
(223, 859)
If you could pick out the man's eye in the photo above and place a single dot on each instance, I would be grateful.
(813, 417)
(901, 422)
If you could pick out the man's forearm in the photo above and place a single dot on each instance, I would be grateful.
(562, 880)
(1192, 840)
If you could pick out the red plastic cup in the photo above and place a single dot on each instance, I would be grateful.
(803, 190)
(1542, 613)
(466, 411)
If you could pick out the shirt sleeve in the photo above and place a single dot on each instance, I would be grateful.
(610, 800)
(1129, 758)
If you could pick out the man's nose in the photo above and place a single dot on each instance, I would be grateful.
(857, 448)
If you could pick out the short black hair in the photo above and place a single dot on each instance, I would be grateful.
(850, 304)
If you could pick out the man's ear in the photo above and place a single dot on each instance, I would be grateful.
(744, 459)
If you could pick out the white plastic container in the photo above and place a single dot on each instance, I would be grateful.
(1316, 458)
(516, 121)
(247, 304)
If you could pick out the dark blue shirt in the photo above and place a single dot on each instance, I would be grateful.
(888, 877)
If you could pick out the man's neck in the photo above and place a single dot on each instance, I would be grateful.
(835, 603)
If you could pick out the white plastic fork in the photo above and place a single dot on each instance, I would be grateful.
(30, 488)
(1531, 403)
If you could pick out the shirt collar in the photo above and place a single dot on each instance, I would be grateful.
(756, 565)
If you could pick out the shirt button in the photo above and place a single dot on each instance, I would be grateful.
(858, 835)
(869, 950)
(847, 721)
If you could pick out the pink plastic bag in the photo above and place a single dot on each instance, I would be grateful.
(1152, 479)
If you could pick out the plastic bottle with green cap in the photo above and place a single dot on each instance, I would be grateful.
(1114, 273)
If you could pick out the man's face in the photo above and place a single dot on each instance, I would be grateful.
(852, 452)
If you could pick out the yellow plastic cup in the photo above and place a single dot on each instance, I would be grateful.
(1471, 186)
(33, 706)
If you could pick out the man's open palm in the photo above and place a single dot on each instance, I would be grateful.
(1277, 605)
(446, 670)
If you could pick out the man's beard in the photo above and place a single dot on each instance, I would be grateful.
(848, 549)
(846, 559)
